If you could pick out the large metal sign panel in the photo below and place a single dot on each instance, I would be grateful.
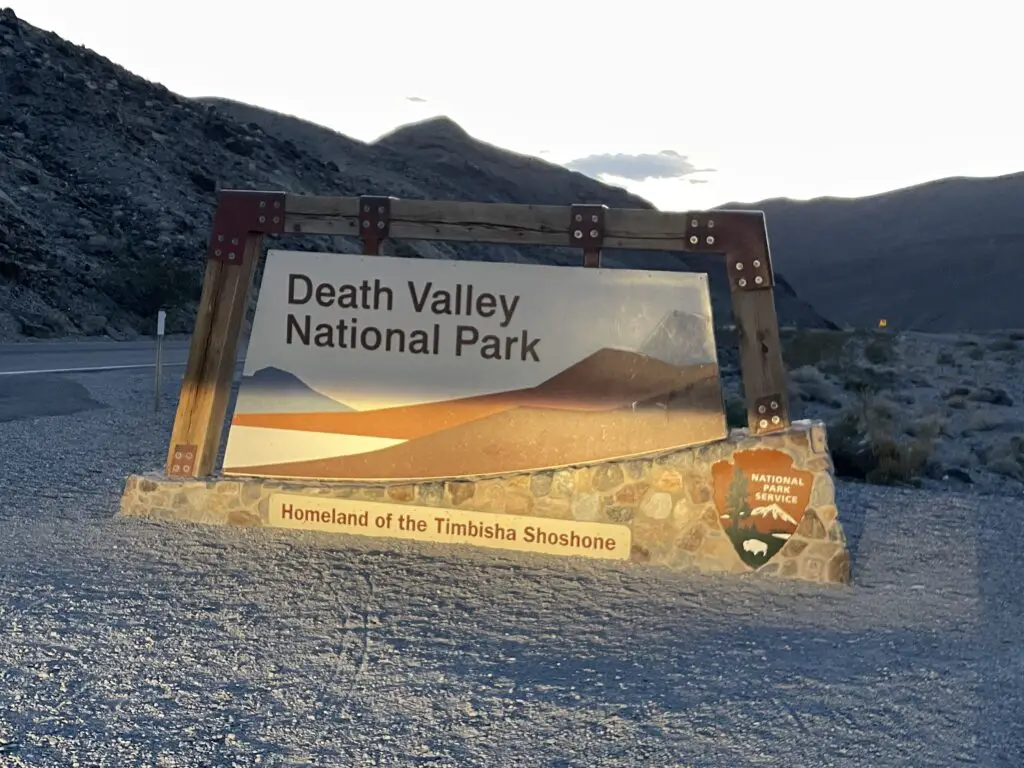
(373, 368)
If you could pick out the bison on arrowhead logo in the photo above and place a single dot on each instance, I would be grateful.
(761, 499)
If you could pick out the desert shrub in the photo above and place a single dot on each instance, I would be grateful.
(812, 385)
(984, 421)
(866, 379)
(823, 349)
(881, 349)
(142, 287)
(868, 444)
(1003, 345)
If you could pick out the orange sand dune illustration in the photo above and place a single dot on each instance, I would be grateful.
(529, 438)
(607, 380)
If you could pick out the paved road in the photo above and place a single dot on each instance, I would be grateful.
(84, 356)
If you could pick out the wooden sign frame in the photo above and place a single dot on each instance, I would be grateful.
(244, 217)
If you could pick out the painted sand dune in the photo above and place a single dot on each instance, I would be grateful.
(607, 405)
(608, 379)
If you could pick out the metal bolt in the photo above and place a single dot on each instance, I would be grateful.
(234, 241)
(593, 218)
(739, 266)
(277, 203)
(775, 405)
(579, 217)
(176, 468)
(594, 233)
(366, 209)
(577, 234)
(776, 420)
(263, 219)
(189, 455)
(220, 238)
(694, 239)
(757, 263)
(177, 454)
(263, 203)
(694, 223)
(758, 279)
(231, 255)
(380, 225)
(186, 468)
(711, 223)
(763, 423)
(760, 409)
(277, 219)
(380, 209)
(742, 283)
(710, 239)
(366, 223)
(216, 252)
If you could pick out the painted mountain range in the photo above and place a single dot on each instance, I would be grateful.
(612, 404)
(272, 390)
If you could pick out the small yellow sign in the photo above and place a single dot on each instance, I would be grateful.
(549, 536)
(882, 323)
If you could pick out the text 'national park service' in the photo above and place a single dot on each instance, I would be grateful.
(463, 300)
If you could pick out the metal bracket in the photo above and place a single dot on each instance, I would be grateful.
(374, 221)
(586, 230)
(239, 213)
(750, 273)
(771, 414)
(184, 460)
(701, 234)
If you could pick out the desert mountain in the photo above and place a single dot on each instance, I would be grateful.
(107, 186)
(943, 256)
(272, 390)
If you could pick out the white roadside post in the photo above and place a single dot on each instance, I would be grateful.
(161, 322)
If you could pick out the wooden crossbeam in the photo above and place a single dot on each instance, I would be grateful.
(243, 218)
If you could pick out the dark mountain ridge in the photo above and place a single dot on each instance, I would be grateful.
(107, 186)
(946, 255)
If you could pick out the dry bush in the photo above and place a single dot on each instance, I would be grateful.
(812, 385)
(823, 349)
(984, 421)
(1003, 345)
(881, 349)
(868, 443)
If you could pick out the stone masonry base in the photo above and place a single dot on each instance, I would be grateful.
(681, 506)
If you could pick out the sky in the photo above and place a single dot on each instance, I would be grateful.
(688, 104)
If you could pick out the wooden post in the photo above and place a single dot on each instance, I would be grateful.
(241, 220)
(743, 237)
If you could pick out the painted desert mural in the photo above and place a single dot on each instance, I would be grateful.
(369, 369)
(606, 406)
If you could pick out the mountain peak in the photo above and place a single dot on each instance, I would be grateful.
(433, 129)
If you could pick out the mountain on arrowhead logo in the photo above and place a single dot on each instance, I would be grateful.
(761, 499)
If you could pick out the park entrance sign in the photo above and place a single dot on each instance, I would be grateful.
(554, 410)
(362, 368)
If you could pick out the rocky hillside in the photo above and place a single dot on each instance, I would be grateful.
(943, 256)
(107, 185)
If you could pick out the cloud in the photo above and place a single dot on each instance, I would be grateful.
(663, 165)
(416, 99)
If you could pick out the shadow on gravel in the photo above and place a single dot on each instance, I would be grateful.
(30, 397)
(1001, 722)
(852, 512)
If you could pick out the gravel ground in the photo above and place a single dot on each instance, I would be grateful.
(130, 642)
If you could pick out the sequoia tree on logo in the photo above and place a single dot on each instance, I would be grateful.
(761, 499)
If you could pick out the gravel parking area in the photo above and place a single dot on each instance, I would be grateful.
(131, 642)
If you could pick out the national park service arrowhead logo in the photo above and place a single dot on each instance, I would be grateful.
(761, 499)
